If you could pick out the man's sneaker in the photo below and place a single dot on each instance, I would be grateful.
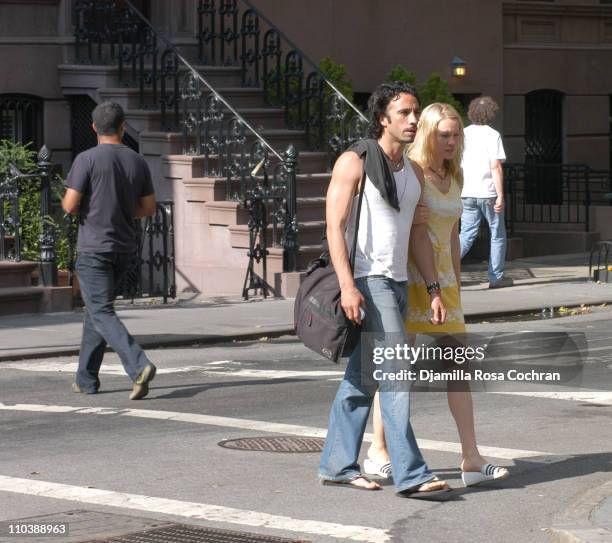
(503, 282)
(78, 390)
(141, 385)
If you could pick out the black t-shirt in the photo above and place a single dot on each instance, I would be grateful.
(112, 179)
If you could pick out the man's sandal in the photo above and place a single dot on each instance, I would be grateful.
(489, 472)
(350, 483)
(416, 492)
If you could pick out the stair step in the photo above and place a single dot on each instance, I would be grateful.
(310, 233)
(74, 78)
(207, 189)
(230, 213)
(260, 118)
(15, 300)
(16, 274)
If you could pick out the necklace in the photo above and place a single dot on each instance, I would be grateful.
(395, 165)
(440, 172)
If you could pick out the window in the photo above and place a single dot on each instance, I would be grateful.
(21, 119)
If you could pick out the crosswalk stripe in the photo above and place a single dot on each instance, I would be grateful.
(595, 396)
(192, 510)
(207, 369)
(267, 427)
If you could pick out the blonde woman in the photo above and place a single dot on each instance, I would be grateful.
(438, 148)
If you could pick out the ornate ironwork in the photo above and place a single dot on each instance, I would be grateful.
(271, 206)
(108, 32)
(310, 101)
(10, 192)
(152, 272)
(10, 220)
(48, 264)
(250, 55)
(569, 203)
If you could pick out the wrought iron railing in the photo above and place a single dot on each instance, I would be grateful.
(11, 219)
(547, 193)
(152, 272)
(235, 32)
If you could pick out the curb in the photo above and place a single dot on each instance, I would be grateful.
(216, 339)
(575, 524)
(210, 339)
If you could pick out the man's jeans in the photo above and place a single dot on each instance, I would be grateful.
(99, 275)
(473, 211)
(385, 308)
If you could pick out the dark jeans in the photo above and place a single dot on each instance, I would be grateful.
(99, 274)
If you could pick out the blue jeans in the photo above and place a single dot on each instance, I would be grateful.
(386, 302)
(473, 211)
(99, 274)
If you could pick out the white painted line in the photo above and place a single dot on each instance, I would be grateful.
(274, 374)
(71, 367)
(263, 426)
(600, 397)
(192, 510)
(117, 369)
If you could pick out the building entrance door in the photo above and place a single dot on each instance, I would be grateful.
(543, 147)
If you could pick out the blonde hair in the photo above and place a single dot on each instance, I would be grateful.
(422, 149)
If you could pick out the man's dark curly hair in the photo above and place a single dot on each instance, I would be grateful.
(379, 100)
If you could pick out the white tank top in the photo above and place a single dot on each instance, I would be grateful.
(384, 233)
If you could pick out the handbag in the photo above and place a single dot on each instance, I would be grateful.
(320, 321)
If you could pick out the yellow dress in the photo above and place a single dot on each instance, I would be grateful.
(444, 211)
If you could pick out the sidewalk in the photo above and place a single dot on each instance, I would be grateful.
(539, 283)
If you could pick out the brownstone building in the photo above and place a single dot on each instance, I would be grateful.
(547, 62)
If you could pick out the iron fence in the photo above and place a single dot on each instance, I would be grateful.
(547, 193)
(152, 271)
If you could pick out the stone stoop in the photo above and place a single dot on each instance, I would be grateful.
(211, 234)
(17, 295)
(211, 254)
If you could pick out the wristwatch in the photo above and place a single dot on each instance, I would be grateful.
(433, 287)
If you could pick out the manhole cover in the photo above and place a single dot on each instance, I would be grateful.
(181, 533)
(276, 444)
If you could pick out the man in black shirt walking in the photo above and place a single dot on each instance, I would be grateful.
(109, 186)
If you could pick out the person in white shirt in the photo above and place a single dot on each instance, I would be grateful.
(483, 188)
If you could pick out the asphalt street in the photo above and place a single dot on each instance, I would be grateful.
(58, 449)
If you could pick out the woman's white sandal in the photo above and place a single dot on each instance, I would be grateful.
(489, 472)
(372, 467)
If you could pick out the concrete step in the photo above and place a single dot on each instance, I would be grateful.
(77, 78)
(207, 189)
(192, 166)
(260, 118)
(158, 143)
(229, 213)
(310, 233)
(16, 274)
(16, 300)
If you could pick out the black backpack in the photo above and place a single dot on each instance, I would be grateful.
(319, 319)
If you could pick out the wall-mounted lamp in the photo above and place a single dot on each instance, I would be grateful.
(458, 67)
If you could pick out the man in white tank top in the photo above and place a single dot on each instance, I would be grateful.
(378, 287)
